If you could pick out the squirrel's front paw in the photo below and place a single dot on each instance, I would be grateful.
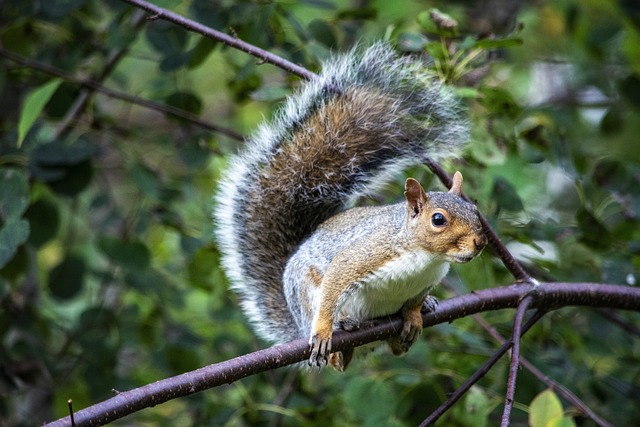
(320, 349)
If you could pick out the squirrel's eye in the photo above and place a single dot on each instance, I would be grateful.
(438, 219)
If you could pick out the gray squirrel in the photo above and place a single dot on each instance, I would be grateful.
(301, 262)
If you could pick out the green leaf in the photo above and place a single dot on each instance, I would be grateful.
(174, 61)
(12, 235)
(146, 280)
(17, 267)
(593, 233)
(466, 92)
(506, 196)
(612, 121)
(62, 153)
(166, 38)
(362, 13)
(270, 93)
(14, 199)
(66, 279)
(630, 89)
(204, 271)
(373, 399)
(474, 410)
(66, 167)
(490, 44)
(146, 179)
(185, 101)
(76, 178)
(411, 42)
(132, 255)
(44, 221)
(437, 50)
(181, 358)
(499, 101)
(322, 32)
(33, 105)
(201, 52)
(14, 194)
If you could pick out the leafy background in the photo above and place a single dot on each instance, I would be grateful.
(109, 273)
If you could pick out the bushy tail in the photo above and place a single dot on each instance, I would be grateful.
(368, 115)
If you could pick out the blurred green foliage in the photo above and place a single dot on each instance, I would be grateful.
(109, 276)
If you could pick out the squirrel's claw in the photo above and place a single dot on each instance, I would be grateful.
(429, 305)
(411, 331)
(320, 349)
(349, 324)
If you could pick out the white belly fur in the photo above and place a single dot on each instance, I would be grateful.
(385, 290)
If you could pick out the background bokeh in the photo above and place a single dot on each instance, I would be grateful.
(109, 274)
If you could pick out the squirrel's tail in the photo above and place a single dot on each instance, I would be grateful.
(368, 115)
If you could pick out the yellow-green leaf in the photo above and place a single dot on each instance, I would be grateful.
(545, 410)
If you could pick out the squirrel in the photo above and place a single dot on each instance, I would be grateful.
(301, 261)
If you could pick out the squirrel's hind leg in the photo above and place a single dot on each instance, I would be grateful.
(412, 323)
(340, 359)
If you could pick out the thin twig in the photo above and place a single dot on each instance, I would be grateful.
(515, 359)
(167, 109)
(196, 27)
(481, 372)
(79, 105)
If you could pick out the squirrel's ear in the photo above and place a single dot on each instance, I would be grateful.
(456, 186)
(416, 197)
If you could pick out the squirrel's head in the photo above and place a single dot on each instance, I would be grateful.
(443, 222)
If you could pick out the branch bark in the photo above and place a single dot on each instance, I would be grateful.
(546, 296)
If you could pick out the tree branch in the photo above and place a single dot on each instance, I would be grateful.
(196, 27)
(167, 109)
(545, 296)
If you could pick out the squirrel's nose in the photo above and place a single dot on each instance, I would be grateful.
(480, 242)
